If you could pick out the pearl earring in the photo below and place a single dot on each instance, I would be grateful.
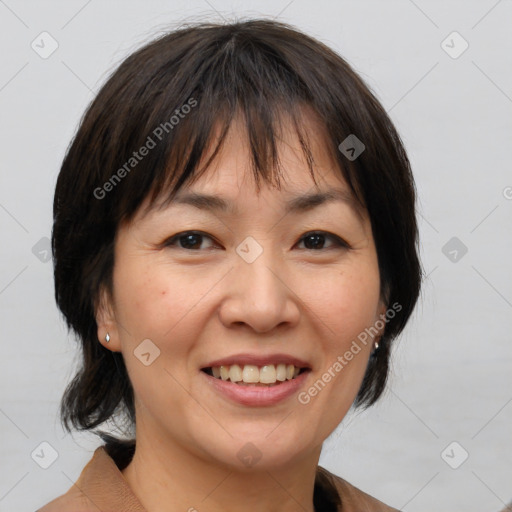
(107, 338)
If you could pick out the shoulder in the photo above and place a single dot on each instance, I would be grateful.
(74, 500)
(98, 480)
(354, 499)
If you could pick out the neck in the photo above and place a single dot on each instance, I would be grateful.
(167, 477)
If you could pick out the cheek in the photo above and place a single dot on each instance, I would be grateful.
(138, 293)
(347, 302)
(144, 302)
(347, 306)
(154, 299)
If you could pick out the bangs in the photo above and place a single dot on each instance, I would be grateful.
(262, 139)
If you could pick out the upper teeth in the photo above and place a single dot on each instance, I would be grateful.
(250, 373)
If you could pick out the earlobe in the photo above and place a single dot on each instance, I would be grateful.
(107, 331)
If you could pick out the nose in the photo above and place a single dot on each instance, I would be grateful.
(259, 297)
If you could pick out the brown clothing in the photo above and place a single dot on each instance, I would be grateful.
(102, 487)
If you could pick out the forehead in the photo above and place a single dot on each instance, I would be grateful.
(233, 193)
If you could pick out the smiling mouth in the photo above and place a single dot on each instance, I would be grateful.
(252, 375)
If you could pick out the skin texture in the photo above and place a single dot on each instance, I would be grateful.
(204, 303)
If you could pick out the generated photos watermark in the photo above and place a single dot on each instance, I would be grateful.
(368, 334)
(156, 136)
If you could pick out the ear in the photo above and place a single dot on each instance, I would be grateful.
(383, 307)
(106, 321)
(381, 315)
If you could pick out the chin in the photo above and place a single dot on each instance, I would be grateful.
(257, 448)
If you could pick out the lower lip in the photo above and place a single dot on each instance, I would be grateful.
(257, 396)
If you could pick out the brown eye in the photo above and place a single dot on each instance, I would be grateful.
(188, 240)
(316, 241)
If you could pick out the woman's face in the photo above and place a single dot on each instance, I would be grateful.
(252, 286)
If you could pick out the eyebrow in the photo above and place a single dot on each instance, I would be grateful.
(298, 204)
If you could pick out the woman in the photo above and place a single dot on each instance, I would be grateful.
(235, 246)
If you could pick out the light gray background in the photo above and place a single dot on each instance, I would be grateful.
(452, 367)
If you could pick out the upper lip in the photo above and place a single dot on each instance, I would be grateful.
(258, 360)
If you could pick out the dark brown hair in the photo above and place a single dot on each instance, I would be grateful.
(266, 71)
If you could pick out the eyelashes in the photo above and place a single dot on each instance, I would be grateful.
(315, 239)
(191, 236)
